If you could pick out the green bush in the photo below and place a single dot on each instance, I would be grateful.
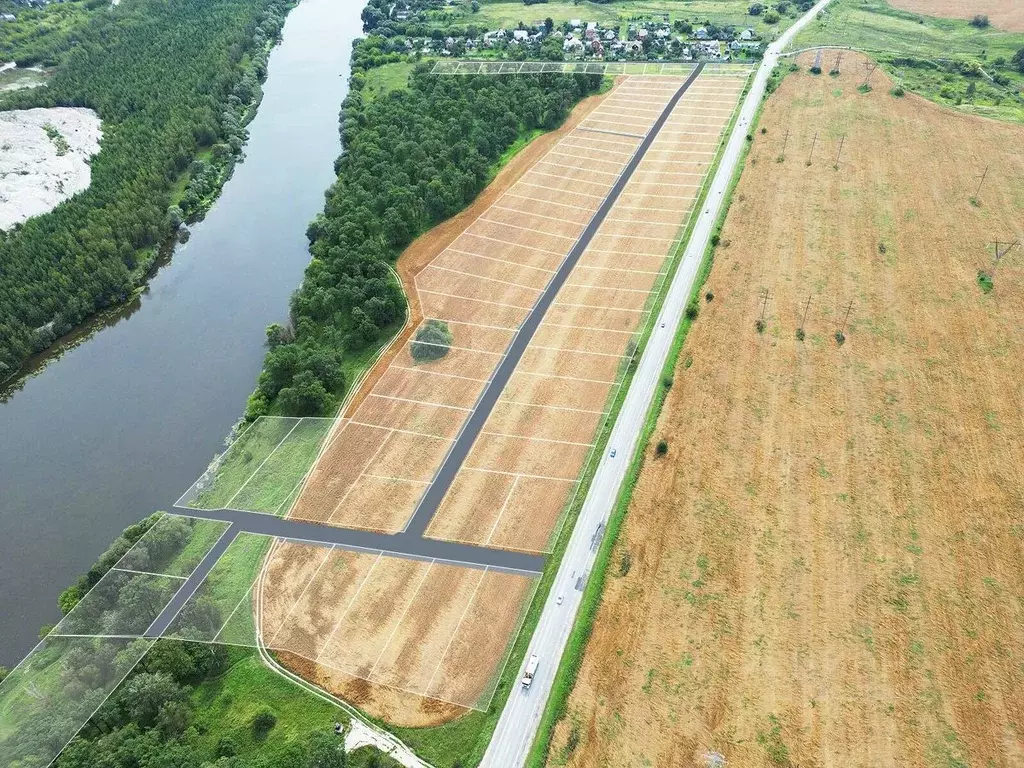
(432, 342)
(662, 448)
(263, 724)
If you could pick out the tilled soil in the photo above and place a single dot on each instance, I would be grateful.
(826, 568)
(1005, 14)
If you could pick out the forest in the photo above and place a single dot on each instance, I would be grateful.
(411, 159)
(170, 79)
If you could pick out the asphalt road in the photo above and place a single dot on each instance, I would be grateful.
(445, 475)
(521, 716)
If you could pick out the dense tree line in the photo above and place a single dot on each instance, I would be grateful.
(411, 159)
(167, 77)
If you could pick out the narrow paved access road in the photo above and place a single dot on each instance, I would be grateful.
(517, 727)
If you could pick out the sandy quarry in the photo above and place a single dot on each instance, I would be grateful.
(826, 568)
(37, 172)
(1005, 14)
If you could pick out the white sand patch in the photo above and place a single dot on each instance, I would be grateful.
(39, 171)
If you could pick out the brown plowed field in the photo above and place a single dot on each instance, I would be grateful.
(826, 568)
(1005, 14)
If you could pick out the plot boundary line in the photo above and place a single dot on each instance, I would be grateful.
(352, 485)
(469, 298)
(369, 675)
(256, 471)
(302, 594)
(504, 506)
(145, 573)
(455, 632)
(530, 229)
(439, 373)
(344, 613)
(536, 439)
(475, 277)
(416, 402)
(238, 605)
(494, 258)
(556, 189)
(550, 407)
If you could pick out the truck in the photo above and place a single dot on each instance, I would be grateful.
(531, 668)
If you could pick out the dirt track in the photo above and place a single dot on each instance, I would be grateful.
(826, 569)
(1005, 14)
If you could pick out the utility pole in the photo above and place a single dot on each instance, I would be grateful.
(765, 296)
(870, 67)
(803, 319)
(841, 333)
(839, 154)
(1001, 250)
(978, 191)
(814, 141)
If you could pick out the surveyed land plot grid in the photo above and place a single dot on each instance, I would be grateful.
(377, 464)
(443, 630)
(518, 482)
(434, 629)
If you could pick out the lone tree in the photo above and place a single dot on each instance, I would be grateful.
(980, 21)
(432, 342)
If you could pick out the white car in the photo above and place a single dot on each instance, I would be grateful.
(613, 453)
(559, 600)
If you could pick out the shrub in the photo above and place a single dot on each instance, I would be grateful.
(840, 338)
(864, 88)
(764, 131)
(662, 448)
(666, 382)
(716, 239)
(692, 310)
(226, 747)
(759, 325)
(985, 281)
(898, 91)
(771, 17)
(980, 21)
(815, 70)
(709, 297)
(799, 334)
(263, 724)
(433, 340)
(756, 9)
(625, 563)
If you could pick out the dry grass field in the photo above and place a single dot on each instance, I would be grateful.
(1005, 14)
(826, 568)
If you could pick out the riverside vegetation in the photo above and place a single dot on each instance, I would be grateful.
(174, 83)
(413, 157)
(184, 704)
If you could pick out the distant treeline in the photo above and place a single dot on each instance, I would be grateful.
(412, 159)
(168, 78)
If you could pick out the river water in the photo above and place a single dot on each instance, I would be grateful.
(122, 424)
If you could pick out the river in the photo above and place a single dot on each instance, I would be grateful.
(121, 425)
